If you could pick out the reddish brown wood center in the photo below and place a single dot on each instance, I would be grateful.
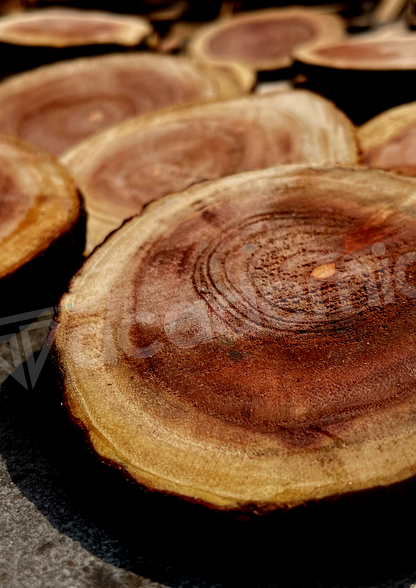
(233, 322)
(14, 204)
(58, 113)
(70, 27)
(261, 39)
(168, 159)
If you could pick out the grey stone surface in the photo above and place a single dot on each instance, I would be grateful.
(33, 553)
(68, 521)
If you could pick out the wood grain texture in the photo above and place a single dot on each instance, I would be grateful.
(388, 141)
(59, 105)
(42, 223)
(250, 343)
(123, 169)
(370, 54)
(265, 39)
(66, 27)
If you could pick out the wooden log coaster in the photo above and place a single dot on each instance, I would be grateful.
(250, 343)
(389, 140)
(126, 167)
(34, 38)
(42, 227)
(59, 105)
(265, 40)
(66, 27)
(364, 75)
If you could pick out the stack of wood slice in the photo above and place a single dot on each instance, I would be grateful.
(249, 343)
(126, 167)
(364, 75)
(59, 105)
(30, 39)
(389, 140)
(265, 40)
(42, 227)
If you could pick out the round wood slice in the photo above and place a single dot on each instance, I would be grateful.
(364, 75)
(57, 106)
(42, 227)
(265, 39)
(250, 343)
(126, 167)
(66, 27)
(389, 140)
(34, 38)
(366, 53)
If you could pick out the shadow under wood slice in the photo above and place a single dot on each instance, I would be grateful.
(360, 94)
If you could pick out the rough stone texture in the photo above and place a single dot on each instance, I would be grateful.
(33, 552)
(68, 521)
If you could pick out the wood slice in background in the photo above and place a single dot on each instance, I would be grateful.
(124, 168)
(63, 27)
(59, 105)
(42, 227)
(389, 140)
(250, 343)
(38, 37)
(265, 40)
(364, 75)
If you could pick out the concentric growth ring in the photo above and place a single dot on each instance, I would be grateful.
(251, 341)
